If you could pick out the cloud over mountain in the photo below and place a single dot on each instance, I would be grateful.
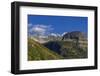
(39, 29)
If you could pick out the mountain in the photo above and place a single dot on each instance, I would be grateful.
(37, 51)
(55, 35)
(70, 45)
(64, 33)
(74, 35)
(67, 49)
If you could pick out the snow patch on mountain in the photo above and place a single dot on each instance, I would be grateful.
(64, 33)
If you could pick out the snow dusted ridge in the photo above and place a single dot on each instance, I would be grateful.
(54, 34)
(44, 39)
(64, 33)
(58, 37)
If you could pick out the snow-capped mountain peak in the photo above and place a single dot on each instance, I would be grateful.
(55, 35)
(64, 33)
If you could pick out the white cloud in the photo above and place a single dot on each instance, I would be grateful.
(40, 29)
(30, 24)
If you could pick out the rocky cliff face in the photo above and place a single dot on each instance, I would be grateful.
(74, 35)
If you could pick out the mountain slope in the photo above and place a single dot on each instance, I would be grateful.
(67, 49)
(37, 51)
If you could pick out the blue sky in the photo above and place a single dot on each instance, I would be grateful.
(58, 24)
